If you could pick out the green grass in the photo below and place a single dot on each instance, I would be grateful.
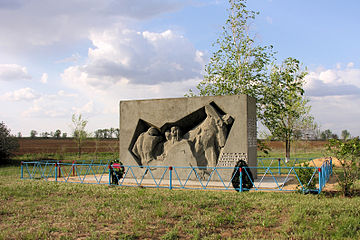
(66, 157)
(36, 209)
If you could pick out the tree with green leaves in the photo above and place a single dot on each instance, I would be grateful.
(33, 133)
(348, 154)
(239, 65)
(326, 134)
(79, 133)
(285, 110)
(345, 134)
(8, 143)
(57, 133)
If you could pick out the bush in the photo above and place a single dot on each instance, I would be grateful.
(348, 154)
(307, 178)
(8, 143)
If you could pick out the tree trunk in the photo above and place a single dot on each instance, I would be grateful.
(79, 146)
(287, 150)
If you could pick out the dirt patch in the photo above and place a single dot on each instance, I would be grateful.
(319, 161)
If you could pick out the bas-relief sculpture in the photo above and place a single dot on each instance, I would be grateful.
(204, 132)
(200, 146)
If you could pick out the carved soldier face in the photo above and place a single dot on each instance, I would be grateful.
(153, 131)
(227, 119)
(167, 135)
(175, 133)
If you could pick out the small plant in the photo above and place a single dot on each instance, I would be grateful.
(79, 133)
(307, 177)
(348, 154)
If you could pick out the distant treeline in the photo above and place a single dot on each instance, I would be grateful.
(106, 133)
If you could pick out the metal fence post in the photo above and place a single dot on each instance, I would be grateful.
(73, 168)
(59, 168)
(279, 163)
(56, 171)
(331, 167)
(320, 181)
(109, 175)
(240, 178)
(170, 177)
(22, 170)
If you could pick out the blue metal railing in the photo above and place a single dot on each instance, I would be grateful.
(268, 178)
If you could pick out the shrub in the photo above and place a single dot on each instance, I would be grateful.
(8, 143)
(307, 178)
(348, 154)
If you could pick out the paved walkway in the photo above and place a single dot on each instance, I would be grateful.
(267, 182)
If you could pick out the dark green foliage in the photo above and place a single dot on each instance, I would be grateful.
(8, 143)
(263, 148)
(307, 178)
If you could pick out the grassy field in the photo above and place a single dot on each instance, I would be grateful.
(35, 209)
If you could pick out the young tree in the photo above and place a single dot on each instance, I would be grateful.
(285, 108)
(105, 133)
(57, 133)
(345, 134)
(33, 133)
(348, 154)
(98, 133)
(8, 143)
(79, 133)
(239, 66)
(326, 135)
(111, 132)
(45, 134)
(117, 133)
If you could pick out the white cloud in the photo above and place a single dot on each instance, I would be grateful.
(337, 113)
(126, 64)
(44, 78)
(334, 82)
(350, 65)
(55, 105)
(123, 56)
(73, 59)
(334, 96)
(87, 108)
(11, 72)
(23, 94)
(35, 23)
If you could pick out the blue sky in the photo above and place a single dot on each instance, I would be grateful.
(63, 57)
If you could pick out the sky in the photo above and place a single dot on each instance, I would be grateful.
(58, 58)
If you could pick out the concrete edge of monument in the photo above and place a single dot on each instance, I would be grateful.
(206, 132)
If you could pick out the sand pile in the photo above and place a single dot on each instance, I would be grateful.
(319, 161)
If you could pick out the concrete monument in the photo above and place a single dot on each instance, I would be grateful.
(204, 132)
